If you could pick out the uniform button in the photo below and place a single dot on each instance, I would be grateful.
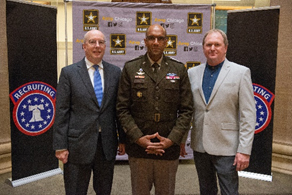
(157, 98)
(157, 87)
(156, 108)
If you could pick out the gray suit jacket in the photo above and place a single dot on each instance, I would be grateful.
(226, 124)
(79, 117)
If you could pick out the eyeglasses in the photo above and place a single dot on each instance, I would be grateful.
(93, 42)
(153, 38)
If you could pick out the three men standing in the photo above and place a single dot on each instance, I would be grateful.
(156, 100)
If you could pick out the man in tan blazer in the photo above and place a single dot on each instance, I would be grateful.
(224, 117)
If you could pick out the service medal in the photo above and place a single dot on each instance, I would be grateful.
(139, 94)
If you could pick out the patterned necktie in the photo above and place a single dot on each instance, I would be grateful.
(97, 85)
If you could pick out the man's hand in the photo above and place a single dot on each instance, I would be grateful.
(121, 149)
(145, 141)
(241, 161)
(183, 150)
(62, 155)
(158, 148)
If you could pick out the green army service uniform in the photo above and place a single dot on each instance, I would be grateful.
(150, 103)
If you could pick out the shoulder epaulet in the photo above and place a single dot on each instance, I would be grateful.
(134, 59)
(173, 59)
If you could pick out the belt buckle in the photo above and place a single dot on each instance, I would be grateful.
(157, 117)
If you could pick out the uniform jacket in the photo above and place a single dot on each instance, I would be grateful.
(226, 124)
(79, 117)
(147, 105)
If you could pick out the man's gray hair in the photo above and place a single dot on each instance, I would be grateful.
(225, 40)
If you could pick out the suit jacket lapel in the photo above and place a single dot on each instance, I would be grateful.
(164, 69)
(106, 79)
(201, 75)
(146, 66)
(222, 75)
(86, 80)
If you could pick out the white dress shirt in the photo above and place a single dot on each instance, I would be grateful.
(91, 70)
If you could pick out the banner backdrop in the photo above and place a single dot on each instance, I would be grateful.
(32, 59)
(125, 24)
(253, 41)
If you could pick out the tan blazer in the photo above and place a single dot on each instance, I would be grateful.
(226, 124)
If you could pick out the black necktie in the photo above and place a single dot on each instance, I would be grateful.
(156, 67)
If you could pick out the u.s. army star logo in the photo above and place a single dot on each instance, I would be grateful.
(171, 45)
(118, 44)
(195, 21)
(90, 20)
(143, 21)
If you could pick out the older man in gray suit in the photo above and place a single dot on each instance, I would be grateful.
(86, 127)
(224, 117)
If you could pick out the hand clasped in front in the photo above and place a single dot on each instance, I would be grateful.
(157, 148)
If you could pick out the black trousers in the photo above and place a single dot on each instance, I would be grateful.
(209, 167)
(77, 176)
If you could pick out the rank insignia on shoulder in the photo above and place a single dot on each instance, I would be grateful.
(173, 59)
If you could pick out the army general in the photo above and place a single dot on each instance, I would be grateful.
(155, 109)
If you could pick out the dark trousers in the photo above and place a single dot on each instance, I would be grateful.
(209, 167)
(77, 176)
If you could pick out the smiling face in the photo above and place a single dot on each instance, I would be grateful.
(214, 48)
(94, 46)
(155, 41)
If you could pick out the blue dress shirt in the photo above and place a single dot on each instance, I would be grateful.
(210, 76)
